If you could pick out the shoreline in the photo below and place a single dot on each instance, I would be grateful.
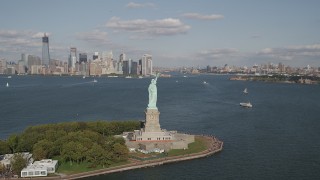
(278, 79)
(214, 145)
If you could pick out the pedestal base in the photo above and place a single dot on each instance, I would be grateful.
(152, 121)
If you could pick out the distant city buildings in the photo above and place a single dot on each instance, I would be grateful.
(104, 63)
(263, 69)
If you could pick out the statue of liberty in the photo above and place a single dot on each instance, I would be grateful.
(153, 93)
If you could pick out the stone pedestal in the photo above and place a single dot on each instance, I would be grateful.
(152, 121)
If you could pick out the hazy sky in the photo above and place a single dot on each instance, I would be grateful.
(176, 33)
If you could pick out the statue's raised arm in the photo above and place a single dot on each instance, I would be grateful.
(157, 75)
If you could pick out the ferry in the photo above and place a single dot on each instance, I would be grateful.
(245, 91)
(247, 105)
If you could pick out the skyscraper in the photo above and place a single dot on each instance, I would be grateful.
(146, 65)
(122, 57)
(72, 58)
(125, 67)
(24, 58)
(83, 58)
(95, 56)
(134, 68)
(45, 50)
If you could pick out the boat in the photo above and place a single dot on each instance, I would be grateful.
(204, 82)
(247, 105)
(95, 81)
(245, 91)
(9, 77)
(83, 77)
(128, 77)
(7, 85)
(140, 77)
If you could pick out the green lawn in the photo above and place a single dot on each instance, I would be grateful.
(197, 146)
(67, 168)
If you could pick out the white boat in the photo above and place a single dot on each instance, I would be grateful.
(128, 77)
(245, 91)
(83, 77)
(9, 77)
(95, 81)
(140, 77)
(247, 105)
(204, 82)
(7, 85)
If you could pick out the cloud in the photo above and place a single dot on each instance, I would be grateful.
(6, 34)
(218, 53)
(139, 5)
(12, 39)
(151, 28)
(202, 17)
(292, 52)
(39, 35)
(96, 37)
(11, 34)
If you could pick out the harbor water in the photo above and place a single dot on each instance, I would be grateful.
(278, 138)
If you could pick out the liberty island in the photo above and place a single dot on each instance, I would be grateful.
(148, 138)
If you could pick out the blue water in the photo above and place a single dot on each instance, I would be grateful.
(279, 138)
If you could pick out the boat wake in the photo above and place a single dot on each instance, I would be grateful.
(79, 84)
(224, 102)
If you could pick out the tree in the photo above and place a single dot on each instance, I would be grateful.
(107, 158)
(3, 169)
(121, 152)
(13, 142)
(69, 152)
(73, 151)
(80, 152)
(4, 148)
(42, 149)
(18, 163)
(95, 155)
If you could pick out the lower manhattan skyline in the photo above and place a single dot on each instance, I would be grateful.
(176, 33)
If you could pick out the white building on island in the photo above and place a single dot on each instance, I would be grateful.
(40, 168)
